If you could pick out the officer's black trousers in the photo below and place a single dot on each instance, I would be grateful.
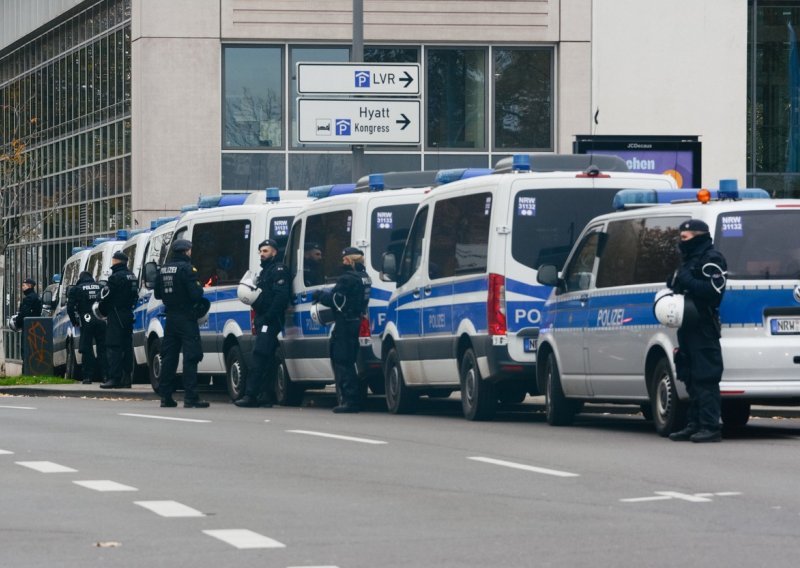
(93, 332)
(344, 353)
(119, 347)
(260, 376)
(181, 333)
(704, 404)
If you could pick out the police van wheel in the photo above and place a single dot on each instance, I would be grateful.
(560, 411)
(478, 397)
(235, 373)
(735, 413)
(154, 363)
(287, 393)
(71, 366)
(399, 398)
(669, 412)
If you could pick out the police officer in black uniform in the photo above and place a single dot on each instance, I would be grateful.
(269, 307)
(117, 302)
(349, 300)
(80, 300)
(31, 304)
(178, 288)
(698, 360)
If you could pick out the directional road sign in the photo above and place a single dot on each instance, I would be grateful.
(358, 79)
(358, 121)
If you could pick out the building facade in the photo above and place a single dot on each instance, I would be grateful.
(142, 106)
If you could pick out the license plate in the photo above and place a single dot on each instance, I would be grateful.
(785, 326)
(530, 344)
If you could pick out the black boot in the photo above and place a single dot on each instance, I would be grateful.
(126, 381)
(705, 435)
(168, 402)
(264, 401)
(195, 404)
(109, 385)
(684, 435)
(346, 409)
(246, 401)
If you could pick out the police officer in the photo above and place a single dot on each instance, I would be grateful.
(117, 302)
(269, 307)
(698, 361)
(349, 299)
(80, 300)
(178, 288)
(31, 304)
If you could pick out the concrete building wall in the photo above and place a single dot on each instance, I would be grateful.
(674, 68)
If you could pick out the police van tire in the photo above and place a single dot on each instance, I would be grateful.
(559, 410)
(669, 412)
(478, 397)
(71, 370)
(154, 363)
(735, 413)
(399, 398)
(287, 392)
(235, 373)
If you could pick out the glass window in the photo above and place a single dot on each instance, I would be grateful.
(762, 245)
(327, 234)
(460, 236)
(389, 231)
(221, 251)
(412, 254)
(545, 226)
(279, 232)
(578, 273)
(293, 248)
(95, 265)
(444, 162)
(523, 98)
(246, 172)
(130, 252)
(391, 54)
(308, 170)
(456, 95)
(253, 97)
(618, 260)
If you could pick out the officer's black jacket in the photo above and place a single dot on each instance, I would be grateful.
(29, 307)
(705, 290)
(349, 298)
(270, 306)
(177, 285)
(81, 298)
(123, 289)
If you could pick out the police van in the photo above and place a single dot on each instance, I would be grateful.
(225, 233)
(372, 219)
(466, 310)
(65, 344)
(134, 248)
(600, 340)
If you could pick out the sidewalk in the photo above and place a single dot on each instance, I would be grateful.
(145, 392)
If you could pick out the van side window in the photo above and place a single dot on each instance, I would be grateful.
(412, 254)
(460, 236)
(161, 247)
(389, 231)
(221, 251)
(166, 250)
(95, 265)
(68, 279)
(578, 273)
(279, 232)
(131, 253)
(639, 251)
(327, 235)
(291, 258)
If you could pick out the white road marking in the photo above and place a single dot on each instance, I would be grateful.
(524, 467)
(243, 538)
(690, 497)
(336, 436)
(162, 417)
(169, 508)
(5, 452)
(104, 485)
(18, 407)
(47, 467)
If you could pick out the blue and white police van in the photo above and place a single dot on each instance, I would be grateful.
(600, 340)
(466, 310)
(225, 232)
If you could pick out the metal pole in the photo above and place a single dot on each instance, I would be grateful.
(357, 56)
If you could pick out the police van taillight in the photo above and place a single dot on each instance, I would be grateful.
(253, 322)
(496, 305)
(363, 328)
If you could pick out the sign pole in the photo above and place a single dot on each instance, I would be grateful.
(357, 56)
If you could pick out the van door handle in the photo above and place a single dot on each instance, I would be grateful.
(584, 298)
(416, 292)
(303, 296)
(427, 290)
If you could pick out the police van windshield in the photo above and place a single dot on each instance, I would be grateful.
(389, 231)
(547, 222)
(760, 245)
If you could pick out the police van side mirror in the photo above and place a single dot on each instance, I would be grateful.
(389, 267)
(150, 275)
(548, 275)
(47, 298)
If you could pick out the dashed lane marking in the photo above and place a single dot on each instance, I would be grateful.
(244, 538)
(336, 436)
(104, 485)
(690, 497)
(46, 467)
(169, 508)
(524, 467)
(5, 452)
(18, 407)
(163, 417)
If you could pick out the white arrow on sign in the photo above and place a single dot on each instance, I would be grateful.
(358, 79)
(358, 121)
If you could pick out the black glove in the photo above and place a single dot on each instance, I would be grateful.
(671, 280)
(316, 296)
(683, 278)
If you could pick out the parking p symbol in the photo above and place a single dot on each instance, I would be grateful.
(342, 127)
(362, 79)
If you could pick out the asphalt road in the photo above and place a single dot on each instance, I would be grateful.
(302, 487)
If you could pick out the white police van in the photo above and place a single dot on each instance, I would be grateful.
(466, 311)
(366, 215)
(600, 341)
(65, 344)
(225, 232)
(134, 248)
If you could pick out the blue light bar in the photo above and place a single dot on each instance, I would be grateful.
(56, 279)
(208, 201)
(634, 197)
(101, 240)
(476, 172)
(155, 223)
(521, 163)
(342, 189)
(123, 235)
(455, 174)
(319, 191)
(228, 199)
(76, 250)
(376, 182)
(187, 208)
(729, 189)
(273, 194)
